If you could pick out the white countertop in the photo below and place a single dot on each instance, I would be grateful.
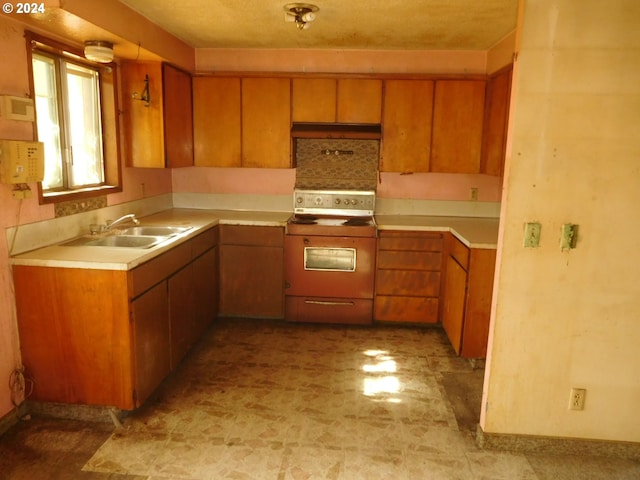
(473, 232)
(118, 258)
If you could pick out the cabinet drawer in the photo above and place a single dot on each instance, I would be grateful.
(459, 251)
(204, 242)
(148, 274)
(412, 241)
(406, 309)
(411, 283)
(410, 260)
(251, 235)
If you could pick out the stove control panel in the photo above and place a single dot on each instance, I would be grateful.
(334, 202)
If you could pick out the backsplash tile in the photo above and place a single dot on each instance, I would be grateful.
(72, 207)
(345, 171)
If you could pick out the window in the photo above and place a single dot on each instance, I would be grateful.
(72, 98)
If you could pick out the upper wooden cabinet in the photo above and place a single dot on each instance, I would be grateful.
(359, 100)
(408, 111)
(314, 99)
(266, 122)
(495, 122)
(217, 121)
(458, 116)
(178, 117)
(337, 100)
(158, 134)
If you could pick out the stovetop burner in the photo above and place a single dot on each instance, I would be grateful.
(357, 221)
(304, 220)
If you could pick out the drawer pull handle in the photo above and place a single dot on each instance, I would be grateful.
(322, 302)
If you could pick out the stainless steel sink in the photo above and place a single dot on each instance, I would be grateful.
(124, 241)
(159, 230)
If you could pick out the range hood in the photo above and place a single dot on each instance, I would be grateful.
(336, 130)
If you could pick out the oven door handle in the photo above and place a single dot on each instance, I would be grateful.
(329, 303)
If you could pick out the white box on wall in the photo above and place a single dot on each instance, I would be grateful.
(17, 108)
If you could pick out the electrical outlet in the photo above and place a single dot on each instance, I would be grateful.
(473, 193)
(532, 234)
(576, 400)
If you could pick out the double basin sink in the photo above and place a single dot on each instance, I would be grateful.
(132, 237)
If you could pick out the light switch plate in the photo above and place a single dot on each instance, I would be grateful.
(532, 234)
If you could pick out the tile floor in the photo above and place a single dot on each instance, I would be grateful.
(270, 400)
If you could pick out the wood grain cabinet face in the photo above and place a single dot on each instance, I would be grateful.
(467, 297)
(314, 99)
(408, 111)
(109, 337)
(217, 122)
(495, 124)
(251, 271)
(178, 116)
(343, 100)
(266, 122)
(458, 116)
(160, 134)
(359, 100)
(408, 279)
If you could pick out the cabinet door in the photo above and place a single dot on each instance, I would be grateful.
(359, 101)
(496, 119)
(314, 99)
(144, 125)
(217, 122)
(478, 308)
(251, 281)
(205, 278)
(178, 117)
(266, 122)
(150, 314)
(458, 115)
(182, 307)
(408, 111)
(454, 302)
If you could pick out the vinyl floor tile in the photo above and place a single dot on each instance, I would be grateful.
(270, 400)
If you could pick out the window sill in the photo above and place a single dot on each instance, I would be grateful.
(56, 197)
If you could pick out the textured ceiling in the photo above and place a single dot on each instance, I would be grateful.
(339, 24)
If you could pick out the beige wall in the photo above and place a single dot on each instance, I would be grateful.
(570, 319)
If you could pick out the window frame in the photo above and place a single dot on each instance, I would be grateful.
(110, 121)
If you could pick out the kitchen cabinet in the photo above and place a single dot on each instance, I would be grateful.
(217, 122)
(408, 279)
(251, 271)
(151, 337)
(193, 301)
(266, 122)
(467, 297)
(314, 99)
(496, 122)
(458, 115)
(359, 100)
(343, 100)
(408, 111)
(159, 134)
(109, 337)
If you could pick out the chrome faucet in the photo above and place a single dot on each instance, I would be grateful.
(131, 217)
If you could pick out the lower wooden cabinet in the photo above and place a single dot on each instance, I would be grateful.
(408, 279)
(109, 337)
(468, 289)
(251, 271)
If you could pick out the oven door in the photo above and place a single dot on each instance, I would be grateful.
(336, 267)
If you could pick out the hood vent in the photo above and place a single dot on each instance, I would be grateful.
(353, 131)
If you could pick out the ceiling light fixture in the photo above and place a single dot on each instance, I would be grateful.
(301, 13)
(99, 51)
